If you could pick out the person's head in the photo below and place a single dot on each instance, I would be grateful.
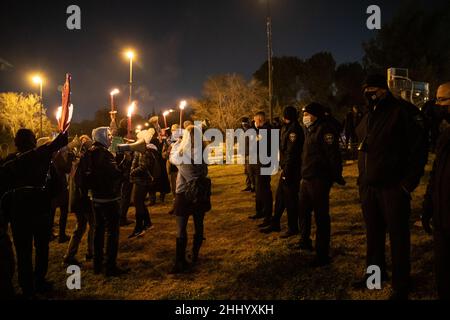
(174, 128)
(443, 102)
(312, 112)
(192, 143)
(260, 119)
(154, 121)
(245, 123)
(86, 142)
(375, 88)
(187, 123)
(102, 135)
(290, 114)
(443, 95)
(25, 140)
(122, 130)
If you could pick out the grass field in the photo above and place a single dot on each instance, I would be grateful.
(238, 262)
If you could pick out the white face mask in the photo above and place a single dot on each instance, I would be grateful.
(307, 121)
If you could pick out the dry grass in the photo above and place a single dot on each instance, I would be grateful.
(238, 262)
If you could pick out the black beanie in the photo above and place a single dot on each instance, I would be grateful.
(377, 81)
(315, 109)
(290, 113)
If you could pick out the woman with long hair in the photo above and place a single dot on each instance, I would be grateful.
(193, 190)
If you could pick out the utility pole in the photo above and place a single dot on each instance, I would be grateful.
(269, 59)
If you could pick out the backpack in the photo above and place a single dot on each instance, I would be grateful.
(198, 192)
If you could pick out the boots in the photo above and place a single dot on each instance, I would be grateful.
(181, 265)
(197, 243)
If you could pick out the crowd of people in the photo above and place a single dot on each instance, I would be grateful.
(99, 177)
(98, 182)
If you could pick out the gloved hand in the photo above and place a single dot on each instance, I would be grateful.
(426, 224)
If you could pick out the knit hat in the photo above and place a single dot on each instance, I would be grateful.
(315, 109)
(377, 81)
(290, 113)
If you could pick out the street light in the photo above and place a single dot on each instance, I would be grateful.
(37, 79)
(130, 55)
(182, 106)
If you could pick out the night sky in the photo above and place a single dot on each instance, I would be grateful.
(178, 44)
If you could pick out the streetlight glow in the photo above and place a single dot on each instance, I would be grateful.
(129, 54)
(37, 79)
(114, 92)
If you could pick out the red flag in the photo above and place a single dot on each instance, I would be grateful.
(65, 118)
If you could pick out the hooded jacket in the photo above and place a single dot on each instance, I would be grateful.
(101, 173)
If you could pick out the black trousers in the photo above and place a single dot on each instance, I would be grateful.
(61, 202)
(26, 232)
(84, 218)
(287, 199)
(442, 262)
(107, 221)
(30, 224)
(125, 191)
(142, 213)
(315, 197)
(249, 177)
(7, 267)
(388, 209)
(264, 197)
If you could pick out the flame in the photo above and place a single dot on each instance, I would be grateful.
(131, 109)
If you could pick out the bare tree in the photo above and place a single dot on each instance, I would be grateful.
(228, 98)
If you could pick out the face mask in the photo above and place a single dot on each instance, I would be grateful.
(307, 121)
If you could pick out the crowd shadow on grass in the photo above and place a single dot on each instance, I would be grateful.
(281, 276)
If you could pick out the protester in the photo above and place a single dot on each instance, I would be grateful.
(61, 166)
(82, 207)
(27, 203)
(102, 176)
(124, 160)
(192, 194)
(172, 169)
(145, 174)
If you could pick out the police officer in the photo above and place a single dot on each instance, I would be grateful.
(437, 201)
(392, 156)
(249, 176)
(263, 189)
(321, 167)
(28, 207)
(291, 145)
